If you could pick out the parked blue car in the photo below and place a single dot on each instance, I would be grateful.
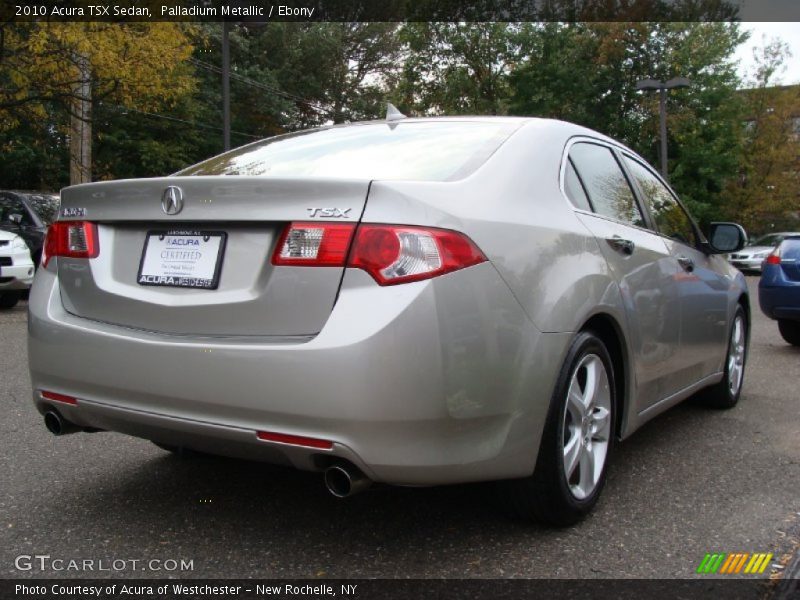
(779, 288)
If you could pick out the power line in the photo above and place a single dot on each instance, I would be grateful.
(254, 83)
(259, 85)
(194, 124)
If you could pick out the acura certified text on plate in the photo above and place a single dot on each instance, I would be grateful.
(410, 301)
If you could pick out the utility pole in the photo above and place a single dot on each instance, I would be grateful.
(80, 123)
(226, 87)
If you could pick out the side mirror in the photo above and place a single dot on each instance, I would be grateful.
(726, 237)
(15, 218)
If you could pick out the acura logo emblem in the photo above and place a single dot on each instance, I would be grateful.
(172, 200)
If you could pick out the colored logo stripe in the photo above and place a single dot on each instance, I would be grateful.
(734, 563)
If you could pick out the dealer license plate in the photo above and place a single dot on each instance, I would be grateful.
(180, 258)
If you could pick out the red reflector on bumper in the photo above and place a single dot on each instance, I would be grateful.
(59, 397)
(294, 440)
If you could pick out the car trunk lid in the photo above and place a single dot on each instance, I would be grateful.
(236, 221)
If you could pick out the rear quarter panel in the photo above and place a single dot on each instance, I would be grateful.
(512, 208)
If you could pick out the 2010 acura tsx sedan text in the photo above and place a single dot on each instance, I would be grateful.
(410, 301)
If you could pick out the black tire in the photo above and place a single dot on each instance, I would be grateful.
(790, 331)
(723, 395)
(546, 496)
(8, 300)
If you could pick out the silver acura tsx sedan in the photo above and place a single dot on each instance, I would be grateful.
(410, 301)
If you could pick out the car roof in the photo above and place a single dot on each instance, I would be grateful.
(540, 121)
(568, 129)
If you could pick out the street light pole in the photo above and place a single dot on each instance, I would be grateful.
(662, 87)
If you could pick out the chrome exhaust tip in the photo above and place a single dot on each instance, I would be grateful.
(345, 480)
(57, 425)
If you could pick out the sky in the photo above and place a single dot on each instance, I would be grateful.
(788, 32)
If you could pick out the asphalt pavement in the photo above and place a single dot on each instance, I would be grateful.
(691, 482)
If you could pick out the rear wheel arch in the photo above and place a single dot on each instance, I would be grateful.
(608, 330)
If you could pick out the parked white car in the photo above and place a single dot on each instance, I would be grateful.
(16, 269)
(752, 256)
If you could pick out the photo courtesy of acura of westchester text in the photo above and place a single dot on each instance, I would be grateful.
(354, 299)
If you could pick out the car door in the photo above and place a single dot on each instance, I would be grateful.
(639, 259)
(702, 285)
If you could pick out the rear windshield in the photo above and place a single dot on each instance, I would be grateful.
(45, 206)
(428, 151)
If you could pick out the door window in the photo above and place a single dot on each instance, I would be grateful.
(606, 185)
(670, 218)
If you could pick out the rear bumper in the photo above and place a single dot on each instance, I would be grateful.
(778, 296)
(432, 382)
(748, 264)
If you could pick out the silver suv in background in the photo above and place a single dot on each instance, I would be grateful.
(413, 302)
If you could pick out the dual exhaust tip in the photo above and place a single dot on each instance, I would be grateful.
(341, 480)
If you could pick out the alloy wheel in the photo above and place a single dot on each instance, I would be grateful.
(736, 353)
(586, 426)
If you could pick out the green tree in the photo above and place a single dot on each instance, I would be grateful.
(72, 64)
(765, 193)
(587, 73)
(35, 154)
(331, 71)
(459, 68)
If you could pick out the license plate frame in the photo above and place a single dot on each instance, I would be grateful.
(173, 277)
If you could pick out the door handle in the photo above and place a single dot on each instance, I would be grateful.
(687, 263)
(621, 245)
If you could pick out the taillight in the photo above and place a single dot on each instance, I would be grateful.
(395, 254)
(314, 245)
(71, 239)
(391, 254)
(774, 257)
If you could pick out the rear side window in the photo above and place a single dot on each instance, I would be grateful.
(428, 151)
(574, 188)
(45, 206)
(670, 218)
(605, 183)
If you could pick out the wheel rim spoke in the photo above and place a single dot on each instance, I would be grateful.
(572, 454)
(587, 472)
(592, 383)
(575, 404)
(600, 424)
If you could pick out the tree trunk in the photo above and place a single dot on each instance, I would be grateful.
(80, 125)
